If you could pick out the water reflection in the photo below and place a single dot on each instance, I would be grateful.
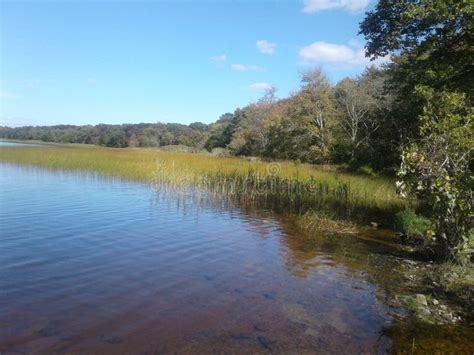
(93, 265)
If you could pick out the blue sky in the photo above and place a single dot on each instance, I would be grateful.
(184, 61)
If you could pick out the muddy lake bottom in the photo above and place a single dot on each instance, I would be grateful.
(93, 265)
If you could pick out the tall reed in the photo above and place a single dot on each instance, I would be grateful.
(278, 185)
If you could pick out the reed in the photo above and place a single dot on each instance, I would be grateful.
(278, 185)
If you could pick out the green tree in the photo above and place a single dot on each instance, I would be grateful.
(314, 116)
(437, 168)
(432, 78)
(250, 136)
(433, 38)
(431, 44)
(220, 132)
(114, 137)
(357, 101)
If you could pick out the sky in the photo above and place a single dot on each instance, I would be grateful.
(90, 62)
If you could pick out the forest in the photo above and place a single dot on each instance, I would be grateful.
(353, 122)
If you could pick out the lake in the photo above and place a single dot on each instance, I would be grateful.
(96, 265)
(19, 145)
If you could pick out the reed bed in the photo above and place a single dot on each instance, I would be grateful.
(279, 185)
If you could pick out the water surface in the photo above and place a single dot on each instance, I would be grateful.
(8, 144)
(92, 265)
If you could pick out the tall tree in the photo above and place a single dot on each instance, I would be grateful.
(433, 79)
(432, 39)
(356, 98)
(313, 112)
(438, 169)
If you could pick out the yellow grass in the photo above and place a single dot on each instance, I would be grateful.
(218, 174)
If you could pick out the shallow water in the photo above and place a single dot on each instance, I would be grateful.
(92, 265)
(19, 145)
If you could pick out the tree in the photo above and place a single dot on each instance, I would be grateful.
(437, 168)
(220, 132)
(432, 77)
(269, 95)
(114, 137)
(356, 98)
(315, 108)
(433, 39)
(431, 44)
(250, 137)
(250, 133)
(436, 35)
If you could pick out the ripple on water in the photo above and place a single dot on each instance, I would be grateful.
(98, 265)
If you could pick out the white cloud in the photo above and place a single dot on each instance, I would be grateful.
(261, 86)
(337, 54)
(91, 81)
(243, 68)
(266, 47)
(313, 6)
(219, 58)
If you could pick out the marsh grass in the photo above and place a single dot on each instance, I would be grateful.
(278, 185)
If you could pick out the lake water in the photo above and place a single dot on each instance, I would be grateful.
(16, 144)
(94, 265)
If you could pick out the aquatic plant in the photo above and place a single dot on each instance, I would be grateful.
(278, 185)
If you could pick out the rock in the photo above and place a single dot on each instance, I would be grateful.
(435, 301)
(421, 300)
(374, 225)
(449, 317)
(424, 311)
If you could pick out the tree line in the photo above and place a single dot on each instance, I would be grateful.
(118, 136)
(320, 123)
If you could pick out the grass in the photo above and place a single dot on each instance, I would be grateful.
(283, 185)
(411, 224)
